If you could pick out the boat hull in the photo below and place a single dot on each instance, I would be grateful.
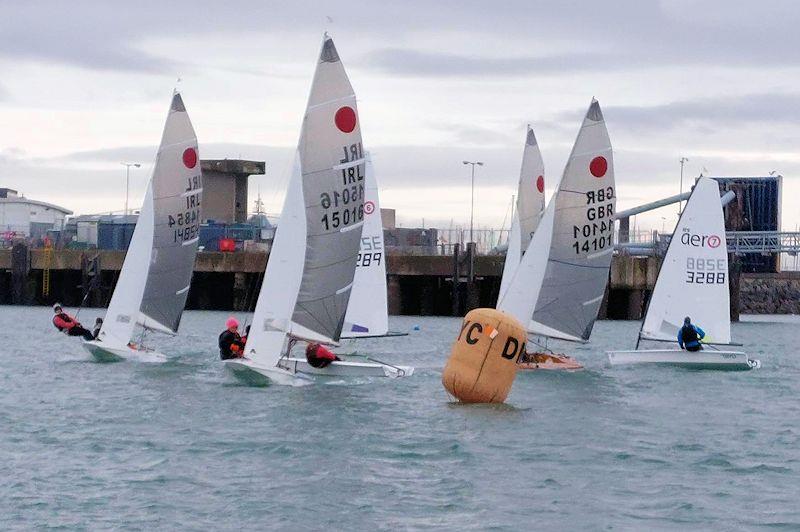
(346, 368)
(550, 361)
(251, 373)
(705, 359)
(103, 352)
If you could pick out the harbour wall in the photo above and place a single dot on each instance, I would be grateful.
(444, 285)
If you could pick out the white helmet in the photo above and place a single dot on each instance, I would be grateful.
(57, 306)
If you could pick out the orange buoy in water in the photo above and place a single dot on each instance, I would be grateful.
(483, 360)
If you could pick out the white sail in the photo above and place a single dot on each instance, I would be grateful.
(368, 309)
(693, 280)
(559, 285)
(154, 281)
(312, 263)
(582, 244)
(123, 310)
(530, 192)
(529, 208)
(522, 292)
(278, 295)
(513, 256)
(177, 198)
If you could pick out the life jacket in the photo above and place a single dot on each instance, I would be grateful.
(63, 322)
(230, 345)
(318, 356)
(689, 335)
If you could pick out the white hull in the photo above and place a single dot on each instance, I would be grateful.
(298, 372)
(250, 372)
(346, 368)
(705, 359)
(103, 352)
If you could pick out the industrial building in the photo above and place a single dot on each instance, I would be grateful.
(757, 207)
(22, 217)
(225, 188)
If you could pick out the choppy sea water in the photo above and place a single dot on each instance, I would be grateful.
(181, 445)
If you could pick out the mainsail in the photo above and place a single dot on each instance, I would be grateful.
(563, 275)
(313, 260)
(529, 208)
(367, 311)
(155, 277)
(693, 280)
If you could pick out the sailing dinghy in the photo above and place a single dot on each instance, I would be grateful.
(309, 277)
(152, 287)
(558, 286)
(693, 281)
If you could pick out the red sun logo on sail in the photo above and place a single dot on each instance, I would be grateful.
(369, 207)
(714, 241)
(345, 119)
(189, 157)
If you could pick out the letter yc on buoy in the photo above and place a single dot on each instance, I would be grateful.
(483, 360)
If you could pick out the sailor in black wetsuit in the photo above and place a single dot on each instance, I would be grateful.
(69, 325)
(230, 343)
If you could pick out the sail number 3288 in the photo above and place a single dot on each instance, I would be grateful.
(705, 271)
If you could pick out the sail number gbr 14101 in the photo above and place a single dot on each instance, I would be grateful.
(597, 233)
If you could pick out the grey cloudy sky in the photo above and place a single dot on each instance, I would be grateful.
(86, 84)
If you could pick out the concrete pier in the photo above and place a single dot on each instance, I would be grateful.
(417, 284)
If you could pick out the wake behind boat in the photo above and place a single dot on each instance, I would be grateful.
(154, 282)
(693, 281)
(310, 275)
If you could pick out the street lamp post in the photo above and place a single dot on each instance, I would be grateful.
(683, 161)
(128, 181)
(472, 197)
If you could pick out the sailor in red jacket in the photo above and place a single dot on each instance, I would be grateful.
(318, 356)
(67, 324)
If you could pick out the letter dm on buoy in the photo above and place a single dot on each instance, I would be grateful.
(483, 360)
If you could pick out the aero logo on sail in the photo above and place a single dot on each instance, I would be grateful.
(700, 241)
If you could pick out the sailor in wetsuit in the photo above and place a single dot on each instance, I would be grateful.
(319, 357)
(230, 343)
(689, 336)
(69, 325)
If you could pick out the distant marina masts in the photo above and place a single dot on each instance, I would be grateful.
(472, 196)
(128, 181)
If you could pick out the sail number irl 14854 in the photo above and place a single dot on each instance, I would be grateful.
(185, 225)
(597, 233)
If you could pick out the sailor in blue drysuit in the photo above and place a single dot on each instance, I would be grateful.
(689, 336)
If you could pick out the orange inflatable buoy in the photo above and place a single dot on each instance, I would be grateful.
(483, 360)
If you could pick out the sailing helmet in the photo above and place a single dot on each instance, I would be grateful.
(232, 322)
(57, 306)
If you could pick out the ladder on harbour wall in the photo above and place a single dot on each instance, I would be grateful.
(48, 258)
